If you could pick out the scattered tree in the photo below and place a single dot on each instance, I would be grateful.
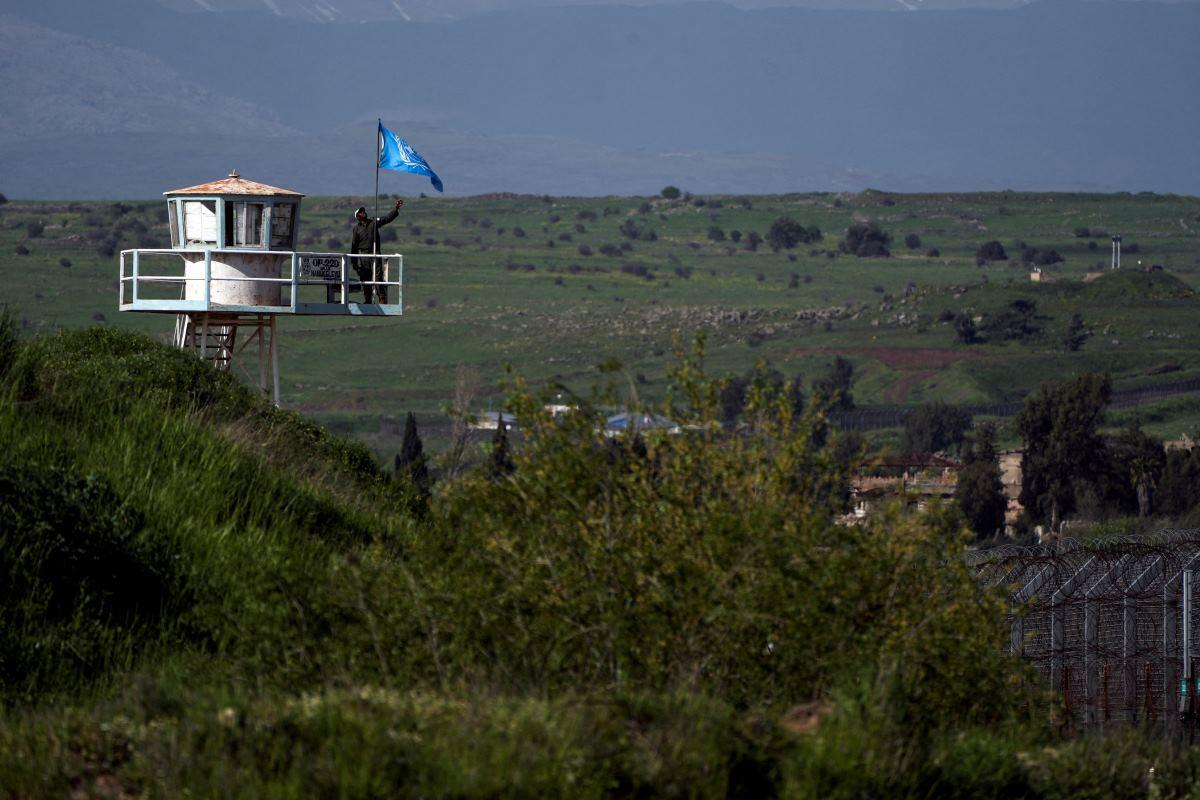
(980, 491)
(670, 192)
(991, 251)
(933, 427)
(833, 390)
(500, 462)
(734, 391)
(631, 230)
(34, 228)
(753, 240)
(1059, 426)
(1076, 333)
(1041, 258)
(715, 234)
(866, 240)
(1179, 484)
(1016, 322)
(964, 329)
(1145, 462)
(785, 233)
(411, 466)
(912, 241)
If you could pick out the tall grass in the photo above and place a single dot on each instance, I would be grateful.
(204, 594)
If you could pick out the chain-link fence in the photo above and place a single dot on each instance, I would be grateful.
(1111, 624)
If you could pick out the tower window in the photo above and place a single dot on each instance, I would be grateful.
(244, 224)
(200, 221)
(173, 214)
(281, 225)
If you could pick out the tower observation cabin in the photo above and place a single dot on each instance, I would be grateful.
(233, 269)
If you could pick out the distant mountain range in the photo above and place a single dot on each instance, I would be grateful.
(130, 97)
(335, 11)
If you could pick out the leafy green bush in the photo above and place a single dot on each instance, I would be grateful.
(866, 240)
(991, 251)
(785, 233)
(703, 560)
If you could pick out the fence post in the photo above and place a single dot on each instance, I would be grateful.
(1148, 697)
(1189, 671)
(1091, 628)
(1171, 695)
(1105, 704)
(1128, 650)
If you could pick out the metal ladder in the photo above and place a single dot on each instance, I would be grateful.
(215, 346)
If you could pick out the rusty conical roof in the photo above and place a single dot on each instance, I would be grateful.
(234, 184)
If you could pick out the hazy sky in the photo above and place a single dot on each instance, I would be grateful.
(121, 98)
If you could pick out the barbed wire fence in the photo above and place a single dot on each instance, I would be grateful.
(1112, 624)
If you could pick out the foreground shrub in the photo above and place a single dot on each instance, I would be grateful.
(706, 560)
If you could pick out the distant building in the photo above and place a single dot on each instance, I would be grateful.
(1010, 479)
(1010, 472)
(1184, 442)
(627, 422)
(490, 420)
(918, 478)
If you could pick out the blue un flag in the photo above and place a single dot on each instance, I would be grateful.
(397, 154)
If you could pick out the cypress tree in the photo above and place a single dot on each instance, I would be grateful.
(500, 461)
(980, 491)
(411, 463)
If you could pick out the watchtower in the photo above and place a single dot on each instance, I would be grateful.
(233, 269)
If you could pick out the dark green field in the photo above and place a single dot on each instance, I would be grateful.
(499, 281)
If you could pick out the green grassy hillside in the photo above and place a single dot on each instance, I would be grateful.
(554, 286)
(204, 595)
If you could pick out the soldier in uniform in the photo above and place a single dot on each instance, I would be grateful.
(364, 238)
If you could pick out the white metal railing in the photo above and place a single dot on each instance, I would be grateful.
(300, 269)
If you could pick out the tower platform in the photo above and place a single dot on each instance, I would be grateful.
(232, 270)
(183, 281)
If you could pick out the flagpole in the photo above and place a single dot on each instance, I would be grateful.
(375, 231)
(378, 133)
